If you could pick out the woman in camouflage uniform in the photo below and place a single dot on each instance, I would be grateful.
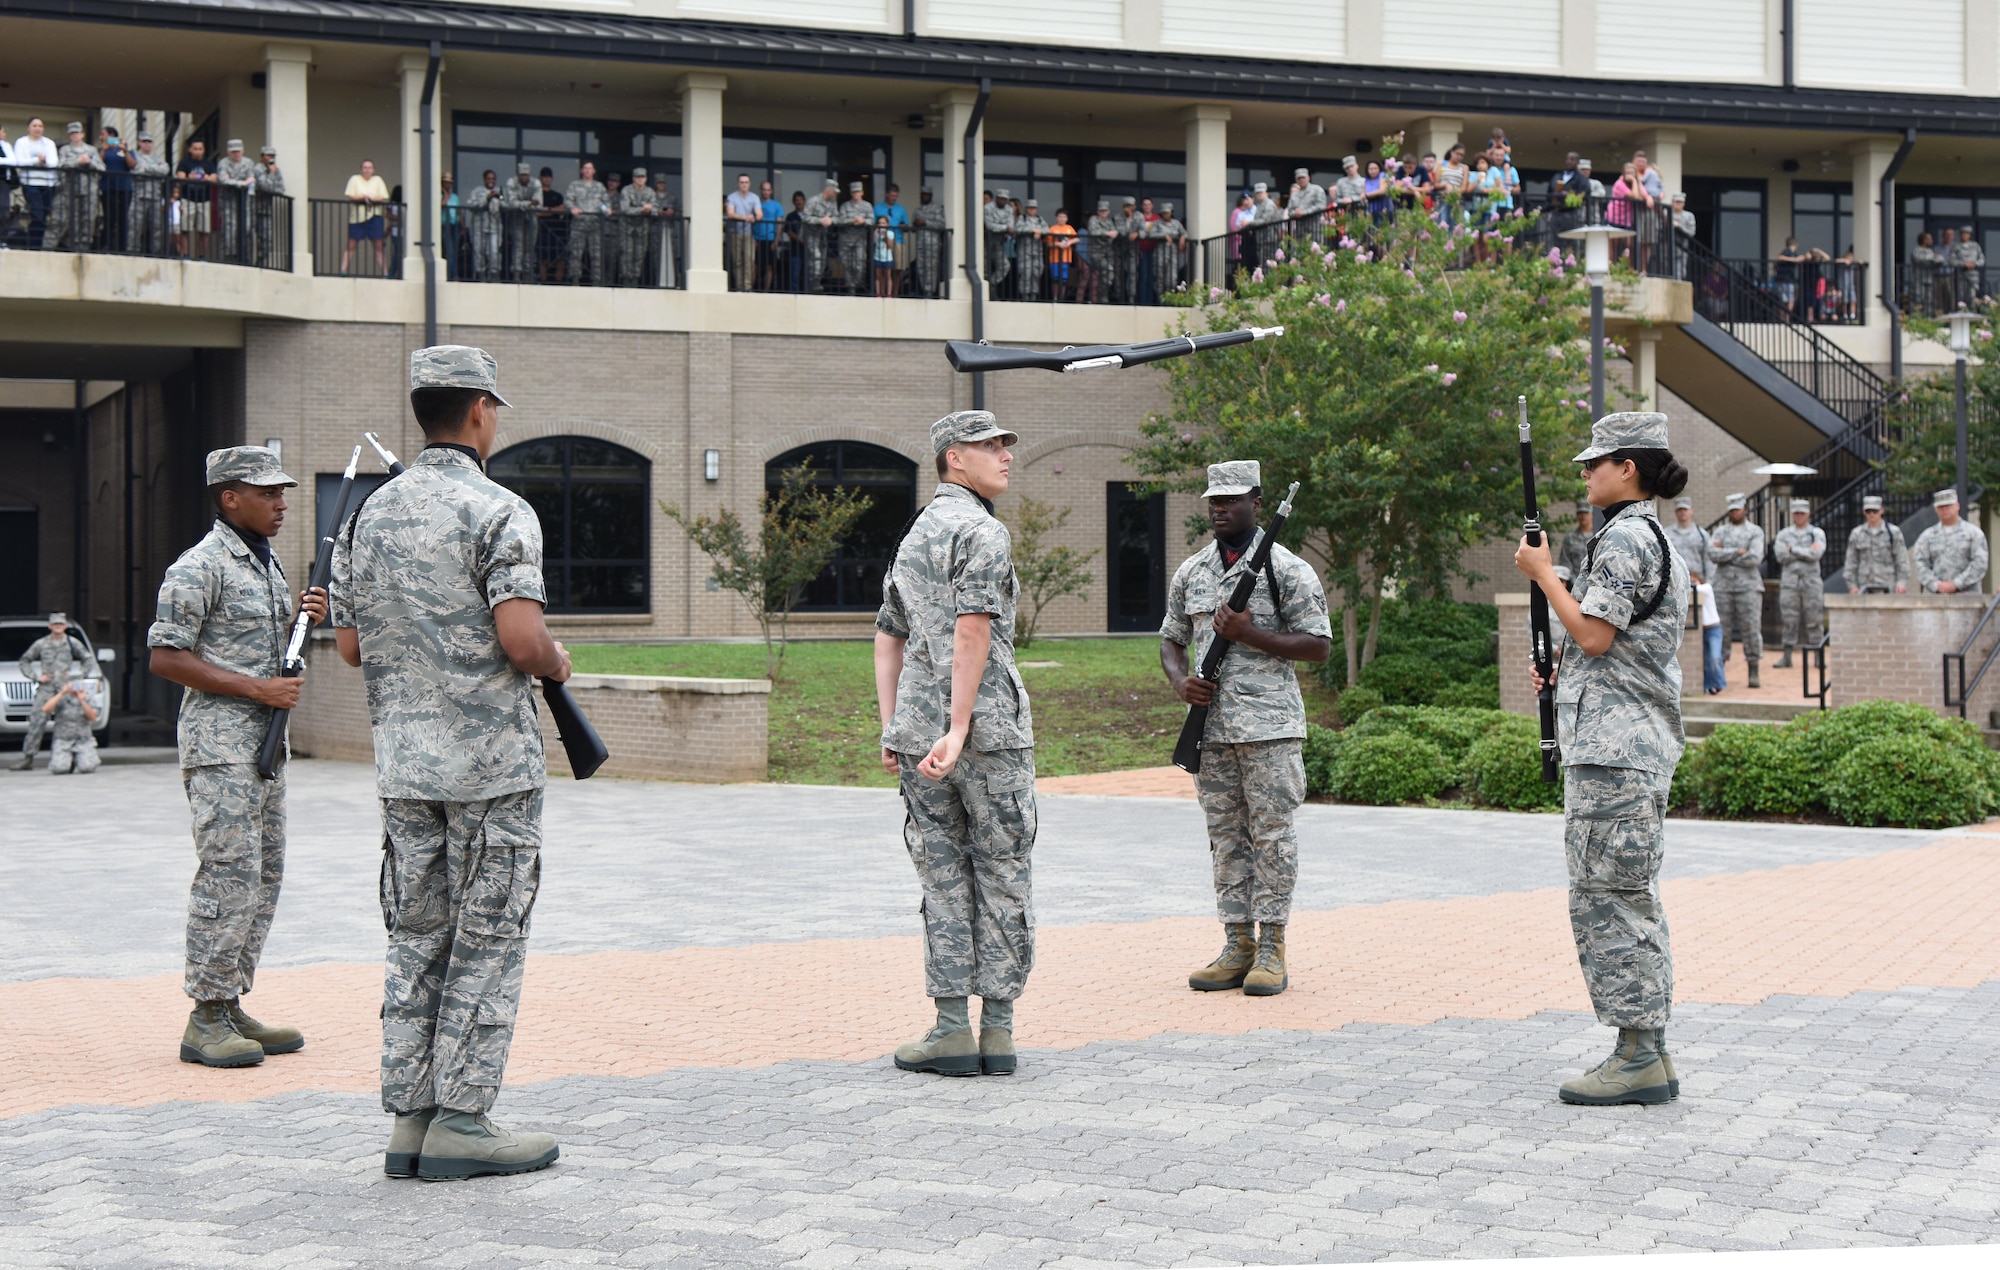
(1618, 722)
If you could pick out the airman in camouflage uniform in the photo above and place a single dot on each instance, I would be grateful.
(270, 186)
(46, 664)
(585, 200)
(417, 582)
(1253, 774)
(1736, 550)
(1172, 236)
(1618, 723)
(481, 205)
(998, 219)
(1801, 591)
(822, 211)
(967, 774)
(1689, 541)
(856, 229)
(1030, 249)
(74, 748)
(237, 177)
(638, 218)
(520, 202)
(223, 618)
(1877, 557)
(1132, 226)
(1305, 203)
(1576, 544)
(1950, 556)
(150, 178)
(1264, 217)
(1105, 248)
(73, 213)
(928, 217)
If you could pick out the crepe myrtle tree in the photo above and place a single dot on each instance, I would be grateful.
(1923, 416)
(1390, 399)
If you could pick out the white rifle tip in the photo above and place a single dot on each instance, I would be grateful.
(353, 462)
(1266, 332)
(1093, 363)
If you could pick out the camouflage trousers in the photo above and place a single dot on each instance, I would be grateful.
(239, 840)
(38, 720)
(1249, 793)
(586, 239)
(74, 756)
(1614, 835)
(970, 836)
(458, 888)
(1742, 614)
(1802, 611)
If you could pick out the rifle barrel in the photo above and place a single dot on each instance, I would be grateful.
(1541, 648)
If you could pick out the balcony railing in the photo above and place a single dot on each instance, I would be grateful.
(906, 262)
(148, 214)
(1816, 292)
(1933, 289)
(551, 247)
(1088, 269)
(357, 240)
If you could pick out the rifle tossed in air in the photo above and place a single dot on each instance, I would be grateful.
(1187, 751)
(294, 663)
(971, 359)
(586, 750)
(1542, 650)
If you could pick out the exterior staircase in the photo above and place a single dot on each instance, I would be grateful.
(1700, 716)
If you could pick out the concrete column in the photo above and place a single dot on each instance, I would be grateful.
(413, 66)
(1207, 170)
(1871, 160)
(1663, 148)
(1432, 134)
(1982, 48)
(1579, 38)
(906, 166)
(701, 178)
(1777, 211)
(956, 107)
(1645, 352)
(287, 73)
(1364, 32)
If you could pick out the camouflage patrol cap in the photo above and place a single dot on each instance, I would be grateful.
(58, 619)
(1000, 191)
(1735, 502)
(251, 464)
(1349, 161)
(73, 127)
(1301, 172)
(1872, 503)
(269, 152)
(1166, 207)
(524, 169)
(1583, 507)
(1625, 430)
(854, 187)
(1801, 505)
(637, 173)
(234, 143)
(1238, 476)
(455, 366)
(962, 427)
(1104, 205)
(1684, 501)
(1260, 188)
(1944, 497)
(831, 182)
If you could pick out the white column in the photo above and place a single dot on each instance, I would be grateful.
(1645, 366)
(1982, 48)
(1871, 160)
(1433, 134)
(701, 178)
(956, 107)
(413, 66)
(1207, 170)
(287, 70)
(906, 166)
(1663, 148)
(1579, 38)
(1364, 32)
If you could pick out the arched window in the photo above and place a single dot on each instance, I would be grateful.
(591, 496)
(854, 580)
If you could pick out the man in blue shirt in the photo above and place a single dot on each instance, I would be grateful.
(118, 165)
(899, 220)
(766, 233)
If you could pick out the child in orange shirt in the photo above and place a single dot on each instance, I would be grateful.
(1062, 249)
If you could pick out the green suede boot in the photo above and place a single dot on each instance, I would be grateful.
(996, 1037)
(1268, 977)
(212, 1040)
(275, 1040)
(949, 1048)
(406, 1143)
(1239, 953)
(1673, 1077)
(1635, 1072)
(462, 1144)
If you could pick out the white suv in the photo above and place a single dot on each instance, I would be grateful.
(17, 691)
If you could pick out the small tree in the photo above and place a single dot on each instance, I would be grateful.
(1923, 418)
(1047, 573)
(801, 527)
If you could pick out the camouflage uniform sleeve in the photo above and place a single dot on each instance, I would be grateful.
(186, 595)
(1621, 568)
(511, 556)
(892, 618)
(1179, 624)
(1305, 600)
(340, 583)
(983, 571)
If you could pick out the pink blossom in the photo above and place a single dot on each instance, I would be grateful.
(1985, 335)
(1559, 271)
(1458, 315)
(1323, 299)
(1281, 253)
(1432, 368)
(1450, 378)
(1570, 260)
(1215, 293)
(1468, 462)
(1345, 242)
(1424, 237)
(1555, 255)
(1340, 307)
(1411, 274)
(1257, 274)
(1564, 403)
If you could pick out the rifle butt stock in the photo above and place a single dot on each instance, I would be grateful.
(1187, 750)
(271, 752)
(585, 749)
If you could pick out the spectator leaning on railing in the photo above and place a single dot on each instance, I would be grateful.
(147, 229)
(929, 218)
(73, 212)
(118, 165)
(235, 178)
(37, 159)
(369, 194)
(482, 221)
(857, 221)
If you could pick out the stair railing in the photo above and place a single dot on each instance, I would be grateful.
(1956, 661)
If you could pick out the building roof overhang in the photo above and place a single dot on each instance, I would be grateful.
(741, 46)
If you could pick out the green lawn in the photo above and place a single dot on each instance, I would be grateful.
(1102, 706)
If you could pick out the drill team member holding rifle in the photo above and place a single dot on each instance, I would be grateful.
(438, 597)
(956, 728)
(220, 633)
(1618, 725)
(1252, 774)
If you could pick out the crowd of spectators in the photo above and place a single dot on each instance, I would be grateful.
(1946, 274)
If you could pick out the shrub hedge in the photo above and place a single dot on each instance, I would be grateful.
(1390, 768)
(1504, 767)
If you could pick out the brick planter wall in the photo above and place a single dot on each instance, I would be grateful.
(1514, 653)
(709, 730)
(1890, 647)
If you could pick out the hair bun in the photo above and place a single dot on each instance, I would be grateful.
(1673, 479)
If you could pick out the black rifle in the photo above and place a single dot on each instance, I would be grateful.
(294, 663)
(1187, 751)
(969, 358)
(579, 739)
(1538, 612)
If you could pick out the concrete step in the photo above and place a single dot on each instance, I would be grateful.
(1780, 711)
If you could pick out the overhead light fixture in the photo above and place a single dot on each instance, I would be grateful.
(711, 465)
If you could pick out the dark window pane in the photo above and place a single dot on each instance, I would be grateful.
(1751, 200)
(1803, 201)
(553, 139)
(533, 458)
(666, 147)
(745, 150)
(594, 525)
(1951, 206)
(1006, 165)
(486, 136)
(607, 522)
(795, 154)
(595, 460)
(889, 481)
(607, 587)
(1167, 173)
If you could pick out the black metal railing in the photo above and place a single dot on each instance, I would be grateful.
(547, 246)
(1955, 662)
(1812, 665)
(151, 214)
(357, 240)
(1084, 268)
(1934, 288)
(903, 262)
(1818, 292)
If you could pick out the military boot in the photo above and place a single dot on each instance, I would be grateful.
(996, 1037)
(212, 1040)
(1753, 674)
(1784, 662)
(1239, 953)
(1268, 978)
(949, 1048)
(27, 763)
(406, 1143)
(464, 1144)
(1635, 1072)
(275, 1040)
(1673, 1077)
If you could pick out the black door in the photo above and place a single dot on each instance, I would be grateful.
(20, 532)
(1135, 553)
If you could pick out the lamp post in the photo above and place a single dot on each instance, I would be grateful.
(1597, 269)
(1961, 348)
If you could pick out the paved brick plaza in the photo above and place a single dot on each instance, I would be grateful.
(719, 974)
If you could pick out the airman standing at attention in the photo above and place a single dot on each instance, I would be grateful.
(1253, 774)
(638, 224)
(856, 228)
(1877, 558)
(1576, 543)
(1688, 540)
(1736, 550)
(822, 210)
(997, 217)
(1030, 254)
(1801, 590)
(585, 202)
(957, 730)
(520, 201)
(1950, 556)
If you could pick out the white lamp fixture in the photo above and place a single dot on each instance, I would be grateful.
(1596, 248)
(711, 465)
(1961, 332)
(276, 445)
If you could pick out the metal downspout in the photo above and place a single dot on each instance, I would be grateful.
(1887, 273)
(973, 227)
(426, 108)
